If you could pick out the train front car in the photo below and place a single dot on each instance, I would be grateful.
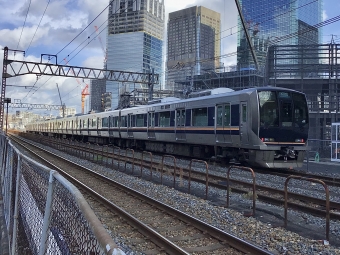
(283, 128)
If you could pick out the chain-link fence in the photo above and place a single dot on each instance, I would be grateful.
(44, 213)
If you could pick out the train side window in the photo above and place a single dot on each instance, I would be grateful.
(164, 119)
(123, 121)
(200, 117)
(94, 122)
(105, 122)
(113, 121)
(140, 120)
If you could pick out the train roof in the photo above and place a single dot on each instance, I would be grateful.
(215, 93)
(224, 92)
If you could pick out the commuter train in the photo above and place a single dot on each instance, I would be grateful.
(265, 127)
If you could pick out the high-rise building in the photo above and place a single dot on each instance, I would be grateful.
(97, 89)
(135, 40)
(277, 22)
(194, 43)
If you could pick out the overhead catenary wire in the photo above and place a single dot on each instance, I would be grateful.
(84, 28)
(97, 34)
(233, 53)
(38, 25)
(88, 42)
(222, 56)
(67, 46)
(22, 30)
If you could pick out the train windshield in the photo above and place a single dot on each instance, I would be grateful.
(282, 108)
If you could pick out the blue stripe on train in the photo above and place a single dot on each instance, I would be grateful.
(144, 130)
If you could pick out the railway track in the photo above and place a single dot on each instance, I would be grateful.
(155, 227)
(303, 203)
(330, 181)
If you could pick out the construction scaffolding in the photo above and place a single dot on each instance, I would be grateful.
(210, 79)
(140, 96)
(314, 70)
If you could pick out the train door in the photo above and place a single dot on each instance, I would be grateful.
(244, 139)
(180, 124)
(99, 126)
(111, 125)
(76, 126)
(151, 125)
(222, 124)
(129, 126)
(88, 123)
(81, 126)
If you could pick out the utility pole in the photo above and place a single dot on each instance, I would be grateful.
(61, 103)
(7, 101)
(150, 84)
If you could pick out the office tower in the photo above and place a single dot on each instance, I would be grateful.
(277, 22)
(193, 45)
(134, 41)
(97, 89)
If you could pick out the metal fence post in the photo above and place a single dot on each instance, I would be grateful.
(47, 216)
(16, 207)
(4, 159)
(312, 180)
(9, 182)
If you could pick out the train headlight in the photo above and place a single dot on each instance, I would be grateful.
(299, 140)
(267, 139)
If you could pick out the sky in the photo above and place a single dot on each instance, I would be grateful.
(52, 27)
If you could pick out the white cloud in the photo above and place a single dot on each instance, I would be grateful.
(324, 15)
(11, 37)
(65, 19)
(62, 22)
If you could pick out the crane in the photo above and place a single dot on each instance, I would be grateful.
(85, 91)
(102, 45)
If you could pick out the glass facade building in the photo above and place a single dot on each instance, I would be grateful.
(277, 22)
(134, 41)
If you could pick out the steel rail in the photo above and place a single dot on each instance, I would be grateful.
(223, 237)
(221, 179)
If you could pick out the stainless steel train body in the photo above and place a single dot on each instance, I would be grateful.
(265, 127)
